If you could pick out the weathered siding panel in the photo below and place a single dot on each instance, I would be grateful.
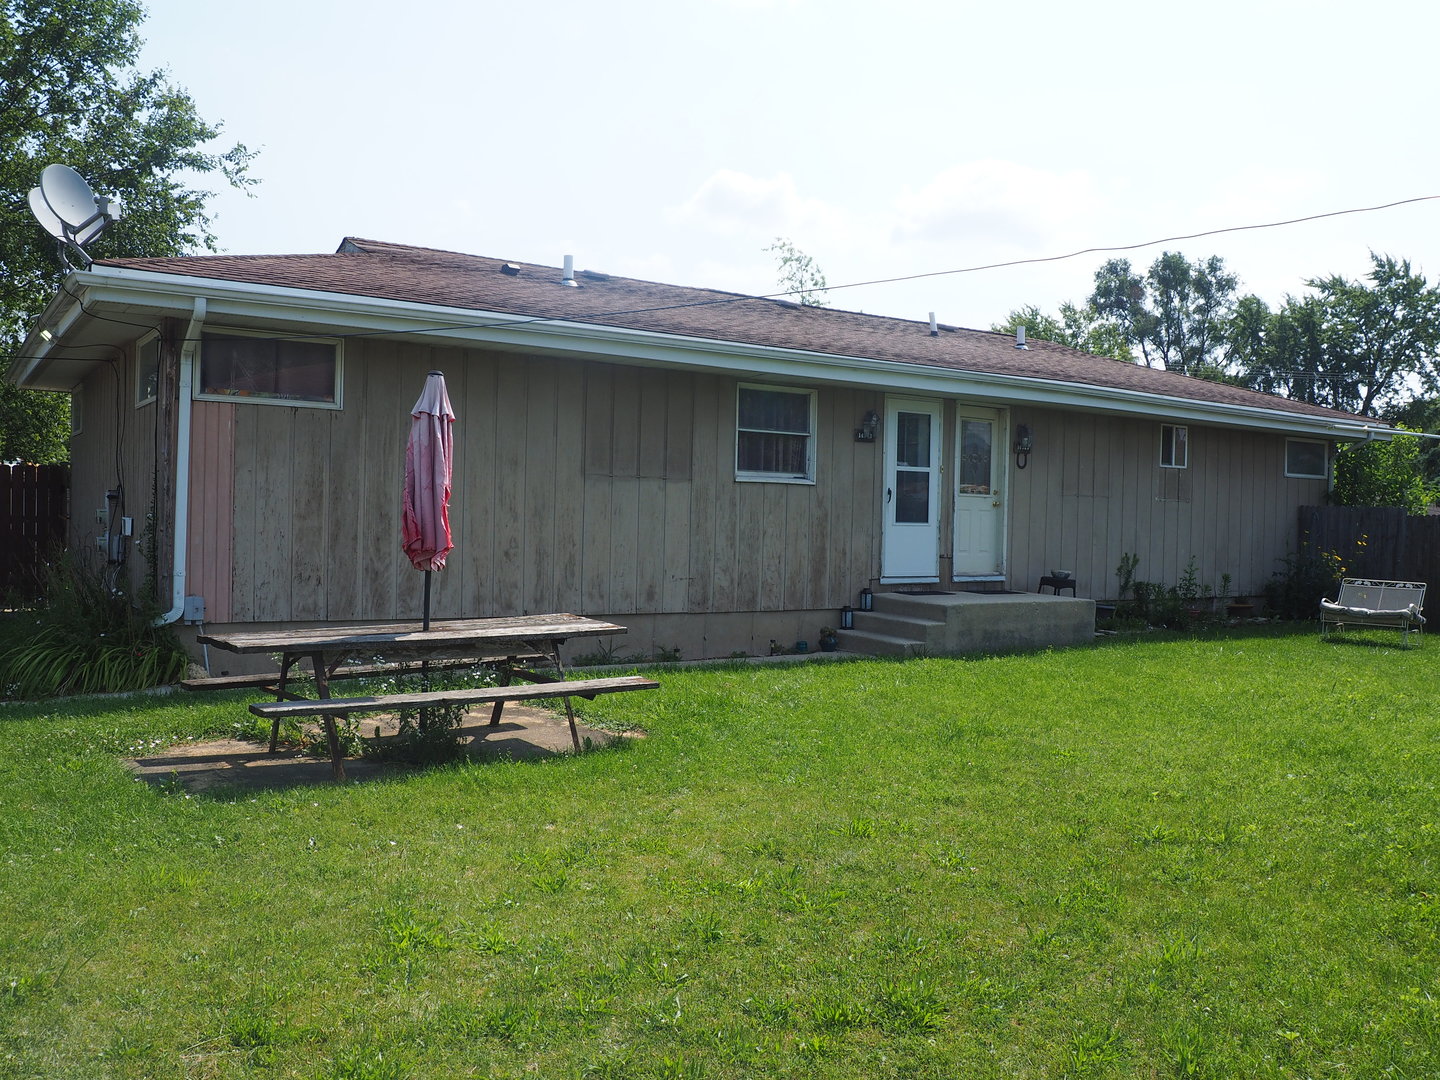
(211, 538)
(1232, 510)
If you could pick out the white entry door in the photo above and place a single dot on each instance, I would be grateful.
(979, 503)
(910, 549)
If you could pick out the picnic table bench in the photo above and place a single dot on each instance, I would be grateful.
(1369, 602)
(526, 648)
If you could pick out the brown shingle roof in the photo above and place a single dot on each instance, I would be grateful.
(427, 276)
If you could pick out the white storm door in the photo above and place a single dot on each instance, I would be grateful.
(979, 508)
(910, 548)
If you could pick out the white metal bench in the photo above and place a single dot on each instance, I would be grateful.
(1365, 602)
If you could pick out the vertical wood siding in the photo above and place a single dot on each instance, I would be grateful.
(1095, 491)
(610, 489)
(115, 447)
(211, 540)
(584, 487)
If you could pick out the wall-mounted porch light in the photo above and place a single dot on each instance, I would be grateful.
(1024, 444)
(866, 431)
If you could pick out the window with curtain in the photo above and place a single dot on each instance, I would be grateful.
(775, 434)
(262, 369)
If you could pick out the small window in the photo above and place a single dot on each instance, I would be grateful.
(147, 370)
(265, 370)
(774, 435)
(1174, 446)
(1306, 459)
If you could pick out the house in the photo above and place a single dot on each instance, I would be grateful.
(712, 470)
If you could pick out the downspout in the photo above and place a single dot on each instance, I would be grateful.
(182, 460)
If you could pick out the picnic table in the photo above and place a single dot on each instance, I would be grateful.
(525, 647)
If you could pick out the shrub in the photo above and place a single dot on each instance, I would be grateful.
(87, 636)
(1294, 591)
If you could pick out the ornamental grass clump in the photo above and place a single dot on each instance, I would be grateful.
(86, 637)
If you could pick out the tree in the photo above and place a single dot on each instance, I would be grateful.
(1176, 316)
(1079, 328)
(1361, 348)
(1383, 474)
(70, 93)
(799, 275)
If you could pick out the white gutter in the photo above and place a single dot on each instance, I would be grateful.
(122, 285)
(182, 460)
(37, 346)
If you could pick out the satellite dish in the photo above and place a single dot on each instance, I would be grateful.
(43, 214)
(68, 195)
(69, 211)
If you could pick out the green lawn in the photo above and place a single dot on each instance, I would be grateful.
(1168, 857)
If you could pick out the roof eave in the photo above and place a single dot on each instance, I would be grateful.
(172, 294)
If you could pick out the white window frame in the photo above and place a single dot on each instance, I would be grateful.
(140, 400)
(263, 399)
(1324, 473)
(1167, 446)
(755, 476)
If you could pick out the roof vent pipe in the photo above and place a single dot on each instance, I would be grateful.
(1020, 338)
(934, 328)
(568, 276)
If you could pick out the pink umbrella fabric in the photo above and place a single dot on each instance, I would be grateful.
(425, 525)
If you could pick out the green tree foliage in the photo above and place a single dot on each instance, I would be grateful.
(1422, 414)
(1362, 348)
(798, 274)
(70, 93)
(1384, 474)
(1079, 328)
(1177, 316)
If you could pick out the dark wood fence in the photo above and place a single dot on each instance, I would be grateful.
(34, 517)
(1376, 541)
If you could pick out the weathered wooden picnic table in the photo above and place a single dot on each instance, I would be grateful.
(525, 647)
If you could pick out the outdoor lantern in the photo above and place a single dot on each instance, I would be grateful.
(847, 618)
(867, 599)
(1024, 443)
(866, 431)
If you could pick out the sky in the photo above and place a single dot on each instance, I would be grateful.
(675, 141)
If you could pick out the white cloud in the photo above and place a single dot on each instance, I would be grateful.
(729, 202)
(999, 205)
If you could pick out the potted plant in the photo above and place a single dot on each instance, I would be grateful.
(829, 639)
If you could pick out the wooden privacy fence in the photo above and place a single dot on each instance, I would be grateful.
(34, 516)
(1376, 541)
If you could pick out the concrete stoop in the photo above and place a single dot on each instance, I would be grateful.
(953, 624)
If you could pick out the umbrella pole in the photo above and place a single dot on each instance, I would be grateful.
(426, 624)
(425, 664)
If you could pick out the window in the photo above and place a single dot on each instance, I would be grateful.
(774, 435)
(1306, 458)
(147, 370)
(235, 365)
(1174, 447)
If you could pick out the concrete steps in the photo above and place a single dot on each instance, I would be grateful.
(954, 624)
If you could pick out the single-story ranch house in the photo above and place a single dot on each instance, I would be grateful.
(712, 470)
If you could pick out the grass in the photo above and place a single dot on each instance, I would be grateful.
(1168, 857)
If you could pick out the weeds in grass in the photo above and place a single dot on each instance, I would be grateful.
(1092, 1050)
(908, 1007)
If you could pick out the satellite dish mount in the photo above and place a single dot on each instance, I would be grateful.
(70, 212)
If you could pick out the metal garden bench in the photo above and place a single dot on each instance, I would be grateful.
(1366, 602)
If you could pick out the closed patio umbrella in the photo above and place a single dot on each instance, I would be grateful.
(429, 453)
